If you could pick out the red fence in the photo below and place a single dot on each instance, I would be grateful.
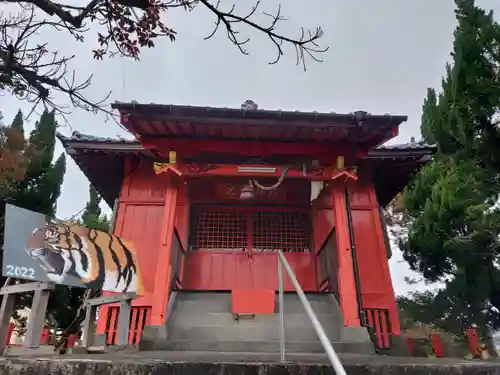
(140, 317)
(378, 320)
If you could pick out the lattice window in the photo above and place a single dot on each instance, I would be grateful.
(237, 230)
(288, 231)
(219, 230)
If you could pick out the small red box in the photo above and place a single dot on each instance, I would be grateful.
(247, 302)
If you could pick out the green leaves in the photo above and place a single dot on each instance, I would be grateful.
(454, 235)
(92, 217)
(429, 116)
(41, 187)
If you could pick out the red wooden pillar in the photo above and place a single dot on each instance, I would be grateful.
(346, 281)
(437, 345)
(473, 341)
(411, 345)
(45, 337)
(72, 340)
(12, 327)
(164, 268)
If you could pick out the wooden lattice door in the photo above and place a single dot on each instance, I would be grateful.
(235, 247)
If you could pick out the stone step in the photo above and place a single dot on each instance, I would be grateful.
(199, 296)
(196, 307)
(271, 320)
(200, 303)
(245, 333)
(253, 346)
(186, 295)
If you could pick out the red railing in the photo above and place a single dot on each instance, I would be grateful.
(326, 258)
(378, 320)
(140, 317)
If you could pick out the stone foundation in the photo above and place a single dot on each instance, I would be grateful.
(138, 365)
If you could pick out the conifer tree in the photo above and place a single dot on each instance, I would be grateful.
(453, 200)
(15, 155)
(92, 217)
(18, 123)
(41, 187)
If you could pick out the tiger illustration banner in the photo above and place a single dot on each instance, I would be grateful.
(41, 248)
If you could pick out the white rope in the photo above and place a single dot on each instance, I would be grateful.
(272, 187)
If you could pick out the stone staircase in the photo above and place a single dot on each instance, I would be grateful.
(203, 322)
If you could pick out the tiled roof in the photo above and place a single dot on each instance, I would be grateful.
(420, 145)
(248, 109)
(85, 138)
(76, 136)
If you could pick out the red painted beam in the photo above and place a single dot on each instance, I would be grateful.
(193, 147)
(254, 171)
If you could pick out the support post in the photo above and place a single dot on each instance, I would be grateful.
(164, 268)
(104, 310)
(6, 311)
(354, 257)
(346, 278)
(124, 322)
(90, 314)
(36, 318)
(281, 302)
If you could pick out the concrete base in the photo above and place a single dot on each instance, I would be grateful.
(203, 322)
(22, 351)
(355, 335)
(270, 347)
(98, 339)
(151, 335)
(155, 363)
(398, 348)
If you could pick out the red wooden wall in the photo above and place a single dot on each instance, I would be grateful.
(376, 285)
(228, 270)
(139, 219)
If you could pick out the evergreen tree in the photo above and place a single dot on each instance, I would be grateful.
(41, 187)
(40, 184)
(18, 123)
(453, 200)
(16, 154)
(428, 116)
(92, 217)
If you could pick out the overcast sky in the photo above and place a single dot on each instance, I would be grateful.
(383, 55)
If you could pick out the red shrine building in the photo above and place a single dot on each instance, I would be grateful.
(208, 195)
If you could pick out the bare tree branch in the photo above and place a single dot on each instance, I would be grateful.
(306, 44)
(32, 73)
(36, 72)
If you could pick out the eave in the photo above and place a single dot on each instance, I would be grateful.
(148, 122)
(102, 160)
